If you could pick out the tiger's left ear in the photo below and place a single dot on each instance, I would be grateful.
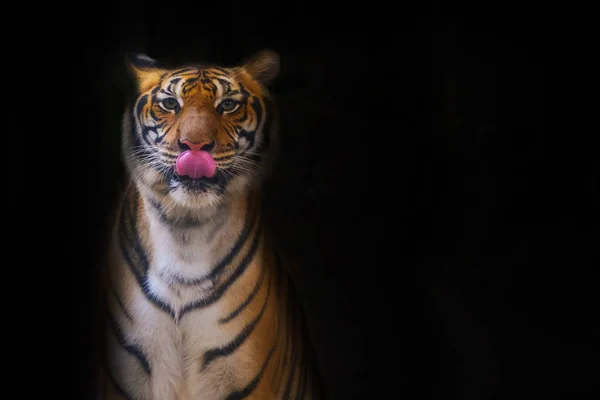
(263, 66)
(144, 70)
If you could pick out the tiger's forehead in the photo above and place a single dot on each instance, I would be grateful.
(209, 82)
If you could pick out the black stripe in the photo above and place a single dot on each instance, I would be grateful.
(113, 381)
(228, 131)
(208, 84)
(283, 361)
(258, 110)
(131, 235)
(183, 70)
(188, 86)
(222, 70)
(153, 115)
(225, 84)
(281, 288)
(117, 297)
(141, 276)
(149, 296)
(133, 131)
(212, 88)
(126, 241)
(243, 117)
(285, 355)
(131, 207)
(292, 335)
(224, 158)
(184, 222)
(232, 346)
(118, 387)
(167, 155)
(166, 132)
(132, 349)
(245, 392)
(138, 114)
(250, 297)
(291, 376)
(218, 293)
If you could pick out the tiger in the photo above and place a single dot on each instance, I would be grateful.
(196, 301)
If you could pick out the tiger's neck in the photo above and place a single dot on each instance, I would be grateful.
(196, 246)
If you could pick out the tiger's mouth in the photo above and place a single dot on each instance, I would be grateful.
(216, 182)
(196, 170)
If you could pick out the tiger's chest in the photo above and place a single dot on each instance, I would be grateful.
(176, 348)
(177, 340)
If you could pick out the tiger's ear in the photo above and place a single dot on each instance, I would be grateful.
(145, 71)
(263, 66)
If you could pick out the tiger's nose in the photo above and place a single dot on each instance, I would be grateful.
(187, 144)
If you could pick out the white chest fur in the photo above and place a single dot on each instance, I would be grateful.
(182, 253)
(179, 341)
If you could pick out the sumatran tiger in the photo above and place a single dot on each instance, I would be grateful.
(197, 304)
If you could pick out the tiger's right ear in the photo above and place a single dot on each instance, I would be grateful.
(146, 71)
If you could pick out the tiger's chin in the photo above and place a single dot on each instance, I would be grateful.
(196, 194)
(206, 193)
(195, 200)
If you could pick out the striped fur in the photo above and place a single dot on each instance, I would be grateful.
(197, 305)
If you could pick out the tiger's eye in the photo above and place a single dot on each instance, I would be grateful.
(170, 103)
(228, 104)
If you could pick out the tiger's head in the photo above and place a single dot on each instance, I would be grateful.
(199, 133)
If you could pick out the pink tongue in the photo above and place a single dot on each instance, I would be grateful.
(196, 164)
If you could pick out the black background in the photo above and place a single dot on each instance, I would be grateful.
(435, 192)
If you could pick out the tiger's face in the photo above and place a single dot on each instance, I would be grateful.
(196, 134)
